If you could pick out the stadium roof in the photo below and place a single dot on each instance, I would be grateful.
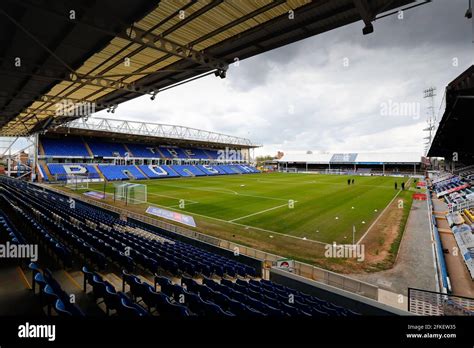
(165, 134)
(108, 52)
(456, 128)
(354, 158)
(314, 158)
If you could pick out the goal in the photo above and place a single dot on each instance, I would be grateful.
(77, 181)
(130, 193)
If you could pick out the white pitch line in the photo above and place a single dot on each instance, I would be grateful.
(223, 192)
(156, 194)
(281, 234)
(325, 183)
(260, 212)
(177, 205)
(383, 211)
(242, 225)
(220, 190)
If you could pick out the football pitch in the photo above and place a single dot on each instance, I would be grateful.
(309, 207)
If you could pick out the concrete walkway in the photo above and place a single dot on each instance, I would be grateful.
(415, 264)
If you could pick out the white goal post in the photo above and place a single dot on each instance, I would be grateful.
(130, 193)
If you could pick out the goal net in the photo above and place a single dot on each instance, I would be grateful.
(130, 193)
(77, 181)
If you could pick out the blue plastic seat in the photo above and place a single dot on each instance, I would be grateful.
(39, 279)
(98, 287)
(34, 270)
(61, 309)
(111, 299)
(50, 297)
(127, 309)
(176, 310)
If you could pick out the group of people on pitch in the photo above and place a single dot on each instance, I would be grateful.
(351, 181)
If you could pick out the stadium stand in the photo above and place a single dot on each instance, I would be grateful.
(213, 154)
(464, 236)
(143, 151)
(65, 147)
(62, 171)
(121, 172)
(196, 153)
(172, 152)
(112, 172)
(86, 235)
(209, 170)
(105, 149)
(78, 147)
(188, 170)
(456, 191)
(156, 171)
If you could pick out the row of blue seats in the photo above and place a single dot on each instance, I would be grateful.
(179, 250)
(63, 230)
(76, 147)
(51, 293)
(103, 290)
(8, 232)
(62, 171)
(39, 234)
(175, 258)
(220, 298)
(121, 172)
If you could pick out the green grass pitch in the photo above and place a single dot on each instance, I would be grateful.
(325, 208)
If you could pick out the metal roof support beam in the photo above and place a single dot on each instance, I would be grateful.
(150, 40)
(87, 80)
(144, 38)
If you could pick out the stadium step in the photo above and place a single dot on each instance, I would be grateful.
(88, 148)
(16, 297)
(141, 171)
(100, 173)
(41, 149)
(160, 153)
(130, 153)
(208, 155)
(46, 171)
(71, 283)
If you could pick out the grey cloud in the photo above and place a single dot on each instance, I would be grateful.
(332, 107)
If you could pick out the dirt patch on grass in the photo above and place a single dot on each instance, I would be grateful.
(383, 234)
(381, 243)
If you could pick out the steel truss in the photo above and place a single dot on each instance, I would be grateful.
(157, 130)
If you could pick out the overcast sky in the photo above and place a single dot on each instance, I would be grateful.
(305, 96)
(302, 97)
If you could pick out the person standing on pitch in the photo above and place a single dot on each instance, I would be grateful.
(348, 181)
(403, 185)
(352, 181)
(395, 186)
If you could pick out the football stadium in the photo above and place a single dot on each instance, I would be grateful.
(107, 215)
